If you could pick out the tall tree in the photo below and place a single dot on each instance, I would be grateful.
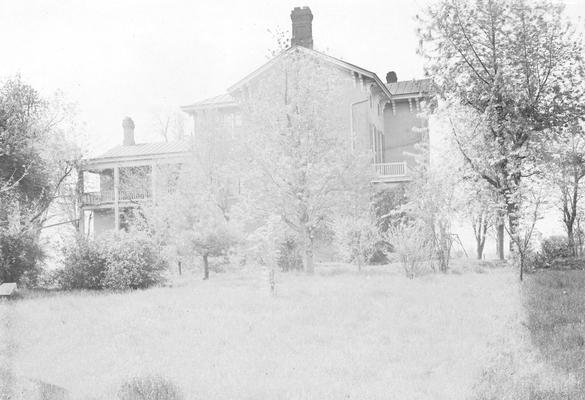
(193, 213)
(504, 61)
(566, 152)
(36, 158)
(296, 146)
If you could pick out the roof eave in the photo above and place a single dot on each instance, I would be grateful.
(196, 107)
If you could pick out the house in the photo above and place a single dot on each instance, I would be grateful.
(378, 116)
(375, 115)
(128, 175)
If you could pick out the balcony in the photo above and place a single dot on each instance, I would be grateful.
(392, 172)
(106, 197)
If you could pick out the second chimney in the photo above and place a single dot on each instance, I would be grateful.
(302, 27)
(128, 126)
(391, 77)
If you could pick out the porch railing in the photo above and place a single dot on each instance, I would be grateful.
(107, 196)
(391, 170)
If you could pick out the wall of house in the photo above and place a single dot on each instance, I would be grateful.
(103, 220)
(343, 96)
(402, 131)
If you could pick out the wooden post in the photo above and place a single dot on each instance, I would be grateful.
(116, 198)
(81, 212)
(153, 182)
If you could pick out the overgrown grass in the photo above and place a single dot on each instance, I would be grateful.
(546, 357)
(555, 301)
(338, 334)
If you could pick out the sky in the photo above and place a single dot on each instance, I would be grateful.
(144, 58)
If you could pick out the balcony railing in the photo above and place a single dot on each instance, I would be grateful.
(107, 197)
(393, 170)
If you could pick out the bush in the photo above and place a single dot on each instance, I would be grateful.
(149, 388)
(289, 256)
(84, 266)
(551, 249)
(413, 246)
(20, 253)
(116, 261)
(133, 262)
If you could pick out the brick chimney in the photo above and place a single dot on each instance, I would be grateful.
(302, 27)
(128, 126)
(391, 77)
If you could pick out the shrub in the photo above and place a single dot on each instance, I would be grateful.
(113, 261)
(413, 246)
(20, 253)
(84, 266)
(289, 256)
(133, 261)
(149, 388)
(552, 249)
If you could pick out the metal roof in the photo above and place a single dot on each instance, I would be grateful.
(412, 86)
(223, 100)
(146, 149)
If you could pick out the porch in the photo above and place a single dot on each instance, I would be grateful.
(392, 172)
(107, 198)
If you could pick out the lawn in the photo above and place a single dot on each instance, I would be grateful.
(338, 334)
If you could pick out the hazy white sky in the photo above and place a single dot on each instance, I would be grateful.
(140, 57)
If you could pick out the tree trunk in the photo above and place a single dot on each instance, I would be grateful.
(309, 264)
(500, 240)
(571, 239)
(480, 244)
(205, 267)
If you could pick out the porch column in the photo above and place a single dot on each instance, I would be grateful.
(80, 212)
(153, 168)
(117, 198)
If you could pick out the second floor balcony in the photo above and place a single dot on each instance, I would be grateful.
(106, 198)
(392, 172)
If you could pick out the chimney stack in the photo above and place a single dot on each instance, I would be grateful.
(128, 126)
(391, 77)
(302, 27)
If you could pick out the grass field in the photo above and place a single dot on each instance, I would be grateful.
(338, 334)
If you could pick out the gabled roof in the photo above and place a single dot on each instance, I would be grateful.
(146, 149)
(414, 86)
(322, 56)
(221, 101)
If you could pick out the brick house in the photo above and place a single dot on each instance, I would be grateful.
(376, 115)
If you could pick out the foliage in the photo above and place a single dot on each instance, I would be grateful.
(150, 387)
(481, 208)
(84, 265)
(36, 157)
(300, 165)
(387, 204)
(357, 238)
(511, 71)
(412, 243)
(432, 204)
(115, 260)
(289, 256)
(196, 217)
(566, 157)
(552, 249)
(531, 206)
(133, 262)
(19, 256)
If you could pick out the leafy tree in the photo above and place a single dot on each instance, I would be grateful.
(36, 157)
(507, 63)
(195, 216)
(300, 167)
(566, 152)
